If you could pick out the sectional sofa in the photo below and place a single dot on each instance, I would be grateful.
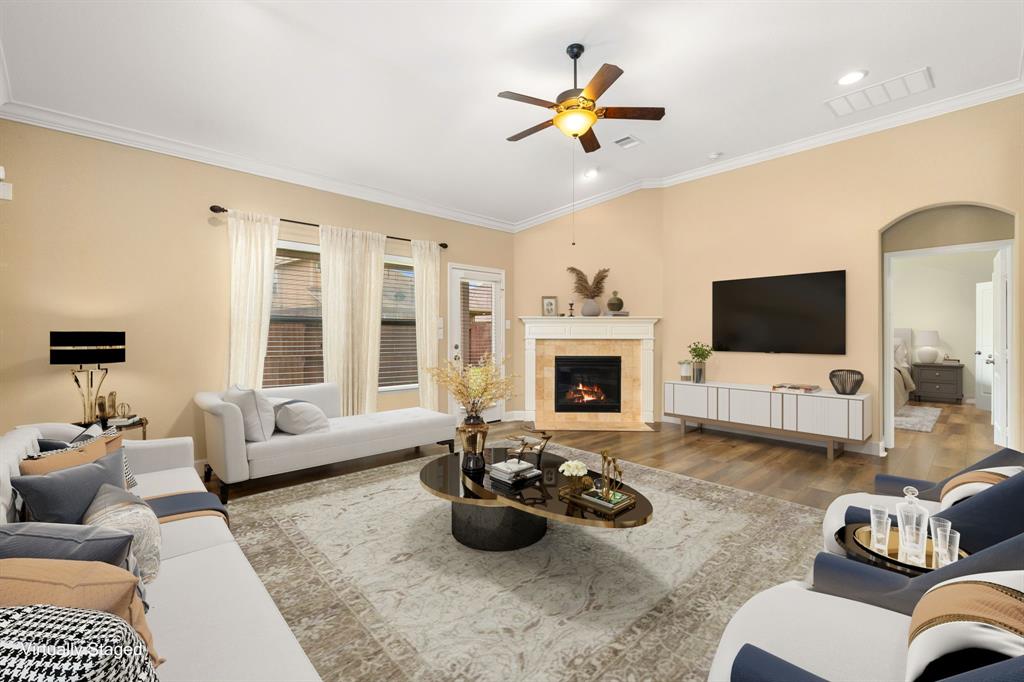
(211, 617)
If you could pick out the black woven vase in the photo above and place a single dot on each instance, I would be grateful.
(846, 381)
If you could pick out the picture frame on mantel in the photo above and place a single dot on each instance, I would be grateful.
(549, 306)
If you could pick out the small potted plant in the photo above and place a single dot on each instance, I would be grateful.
(699, 354)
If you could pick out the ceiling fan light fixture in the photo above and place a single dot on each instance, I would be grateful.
(575, 122)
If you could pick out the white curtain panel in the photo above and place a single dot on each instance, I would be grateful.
(426, 265)
(253, 242)
(352, 275)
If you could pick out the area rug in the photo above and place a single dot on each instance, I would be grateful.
(365, 570)
(917, 418)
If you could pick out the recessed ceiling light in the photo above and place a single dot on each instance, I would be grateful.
(715, 155)
(590, 174)
(852, 77)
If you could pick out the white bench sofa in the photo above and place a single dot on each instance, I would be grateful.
(211, 616)
(234, 459)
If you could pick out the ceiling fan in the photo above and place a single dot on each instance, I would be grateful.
(576, 110)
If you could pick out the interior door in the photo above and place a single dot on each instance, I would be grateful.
(983, 349)
(476, 314)
(1000, 347)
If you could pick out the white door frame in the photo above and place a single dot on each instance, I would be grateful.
(888, 343)
(499, 323)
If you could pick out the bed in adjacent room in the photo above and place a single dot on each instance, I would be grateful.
(903, 383)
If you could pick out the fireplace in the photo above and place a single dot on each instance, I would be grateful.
(588, 383)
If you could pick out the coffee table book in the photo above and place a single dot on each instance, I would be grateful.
(591, 499)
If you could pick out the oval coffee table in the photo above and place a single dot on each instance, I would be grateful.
(492, 518)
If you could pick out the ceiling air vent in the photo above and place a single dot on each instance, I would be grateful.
(628, 142)
(882, 93)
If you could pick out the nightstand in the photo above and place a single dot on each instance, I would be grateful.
(938, 382)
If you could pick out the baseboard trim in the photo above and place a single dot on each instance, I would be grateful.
(874, 448)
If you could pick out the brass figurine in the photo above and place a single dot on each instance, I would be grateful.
(611, 475)
(529, 444)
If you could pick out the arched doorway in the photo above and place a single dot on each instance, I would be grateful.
(954, 235)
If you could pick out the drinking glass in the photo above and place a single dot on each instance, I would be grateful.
(940, 539)
(881, 522)
(952, 552)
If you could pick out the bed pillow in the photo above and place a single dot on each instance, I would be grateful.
(257, 412)
(64, 496)
(902, 355)
(115, 507)
(965, 623)
(76, 584)
(299, 416)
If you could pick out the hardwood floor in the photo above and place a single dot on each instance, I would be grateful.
(799, 473)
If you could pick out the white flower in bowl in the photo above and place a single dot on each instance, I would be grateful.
(573, 467)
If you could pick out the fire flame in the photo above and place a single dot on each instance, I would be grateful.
(583, 393)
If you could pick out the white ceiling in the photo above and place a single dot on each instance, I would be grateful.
(395, 102)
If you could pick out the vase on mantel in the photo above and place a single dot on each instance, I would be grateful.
(473, 435)
(590, 308)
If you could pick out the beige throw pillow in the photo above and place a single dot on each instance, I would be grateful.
(117, 508)
(76, 584)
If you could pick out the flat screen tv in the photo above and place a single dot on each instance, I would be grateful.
(786, 314)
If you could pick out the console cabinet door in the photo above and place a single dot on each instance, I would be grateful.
(810, 414)
(750, 407)
(789, 411)
(776, 410)
(690, 400)
(837, 417)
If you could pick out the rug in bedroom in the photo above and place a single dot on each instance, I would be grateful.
(365, 570)
(917, 418)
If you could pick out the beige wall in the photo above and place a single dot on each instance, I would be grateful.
(822, 209)
(105, 236)
(101, 235)
(938, 292)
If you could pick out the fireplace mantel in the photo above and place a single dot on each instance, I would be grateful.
(590, 329)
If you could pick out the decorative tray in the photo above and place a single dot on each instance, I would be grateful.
(862, 536)
(569, 494)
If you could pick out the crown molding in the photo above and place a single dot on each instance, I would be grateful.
(26, 113)
(55, 120)
(875, 125)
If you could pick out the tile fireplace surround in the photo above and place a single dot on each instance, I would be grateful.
(631, 338)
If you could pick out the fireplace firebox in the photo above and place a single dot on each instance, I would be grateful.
(586, 383)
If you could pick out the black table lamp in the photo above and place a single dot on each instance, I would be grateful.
(87, 348)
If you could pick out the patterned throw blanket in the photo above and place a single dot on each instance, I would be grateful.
(177, 506)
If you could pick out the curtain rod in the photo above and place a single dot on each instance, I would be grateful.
(220, 209)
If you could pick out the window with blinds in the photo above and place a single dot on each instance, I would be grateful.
(295, 348)
(398, 328)
(476, 303)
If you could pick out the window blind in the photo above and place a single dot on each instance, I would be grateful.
(398, 327)
(476, 303)
(295, 350)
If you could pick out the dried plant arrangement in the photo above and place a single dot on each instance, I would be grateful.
(586, 288)
(474, 387)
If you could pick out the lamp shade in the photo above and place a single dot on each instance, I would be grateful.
(927, 337)
(86, 348)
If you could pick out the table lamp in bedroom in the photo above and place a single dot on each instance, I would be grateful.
(87, 348)
(927, 346)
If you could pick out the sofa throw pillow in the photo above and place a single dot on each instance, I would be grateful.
(115, 507)
(970, 483)
(44, 642)
(52, 459)
(65, 541)
(964, 623)
(299, 416)
(257, 412)
(49, 444)
(88, 433)
(76, 584)
(64, 496)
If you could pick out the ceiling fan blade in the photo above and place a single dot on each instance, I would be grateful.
(530, 131)
(637, 113)
(526, 99)
(601, 81)
(589, 141)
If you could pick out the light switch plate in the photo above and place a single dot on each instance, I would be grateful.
(6, 191)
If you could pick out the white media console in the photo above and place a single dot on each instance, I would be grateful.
(822, 416)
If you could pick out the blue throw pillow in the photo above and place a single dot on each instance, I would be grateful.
(63, 496)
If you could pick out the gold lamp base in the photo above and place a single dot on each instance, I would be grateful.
(89, 382)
